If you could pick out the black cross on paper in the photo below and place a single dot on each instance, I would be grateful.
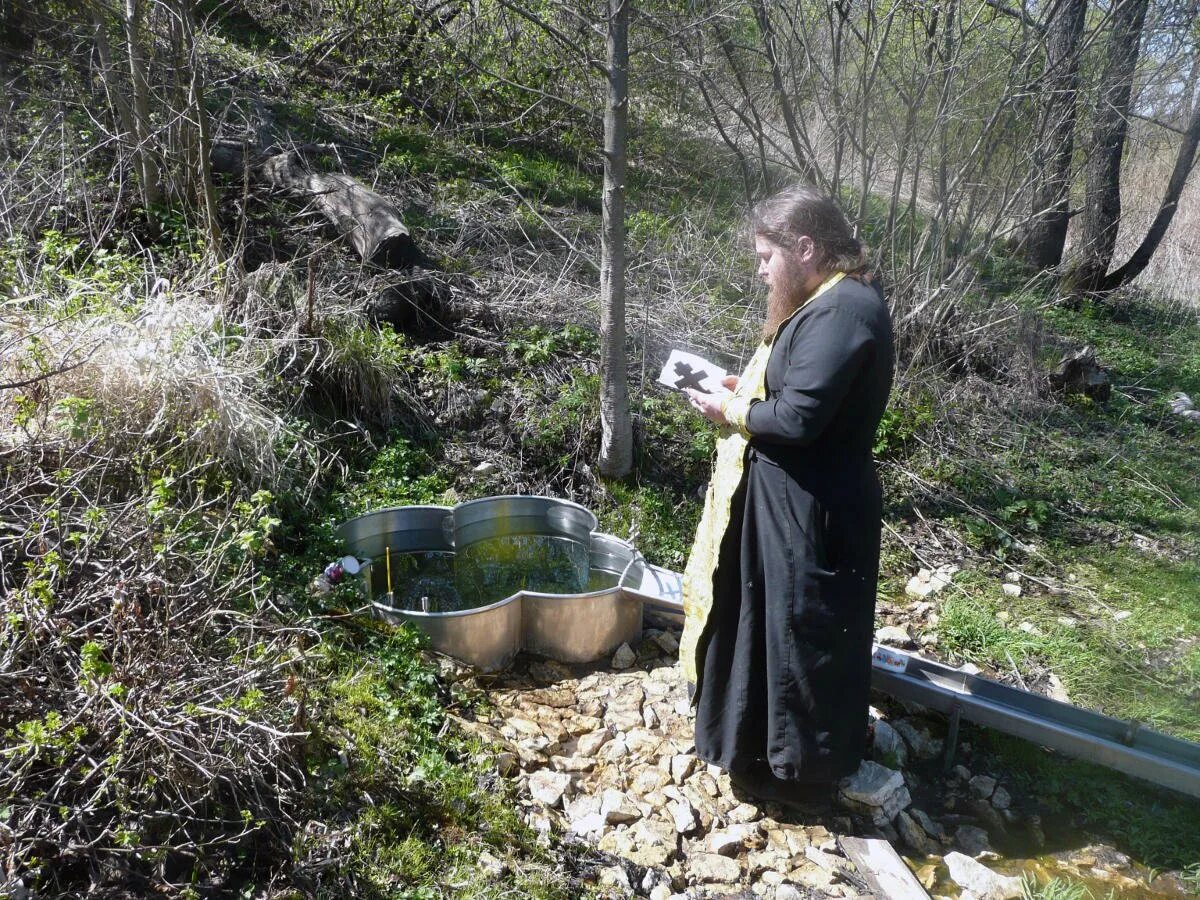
(690, 378)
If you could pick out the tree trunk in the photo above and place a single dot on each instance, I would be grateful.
(1141, 257)
(199, 154)
(1046, 235)
(1102, 207)
(371, 222)
(140, 109)
(616, 429)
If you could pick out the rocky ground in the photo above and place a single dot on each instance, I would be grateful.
(603, 756)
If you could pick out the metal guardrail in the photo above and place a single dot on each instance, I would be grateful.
(1127, 747)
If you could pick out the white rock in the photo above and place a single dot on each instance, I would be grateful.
(624, 658)
(1122, 615)
(547, 787)
(895, 635)
(684, 816)
(787, 891)
(732, 840)
(573, 763)
(709, 868)
(590, 743)
(1010, 589)
(926, 583)
(981, 881)
(484, 468)
(617, 808)
(1013, 577)
(682, 765)
(1067, 622)
(743, 813)
(1001, 799)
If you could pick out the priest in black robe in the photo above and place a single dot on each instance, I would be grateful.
(779, 590)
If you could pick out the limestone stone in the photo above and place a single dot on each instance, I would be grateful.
(650, 716)
(710, 868)
(557, 698)
(682, 765)
(573, 763)
(649, 778)
(743, 812)
(684, 816)
(926, 583)
(617, 808)
(584, 816)
(548, 787)
(590, 743)
(624, 658)
(614, 751)
(981, 881)
(579, 725)
(643, 742)
(895, 635)
(734, 839)
(787, 891)
(770, 860)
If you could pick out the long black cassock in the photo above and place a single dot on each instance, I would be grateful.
(782, 658)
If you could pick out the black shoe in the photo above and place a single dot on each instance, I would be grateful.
(808, 796)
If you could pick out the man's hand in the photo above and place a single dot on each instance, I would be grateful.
(730, 382)
(709, 405)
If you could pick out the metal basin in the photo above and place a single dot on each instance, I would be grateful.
(587, 626)
(486, 637)
(534, 573)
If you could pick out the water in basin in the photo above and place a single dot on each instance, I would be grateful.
(486, 572)
(490, 570)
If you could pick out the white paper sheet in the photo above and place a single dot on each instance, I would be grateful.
(683, 369)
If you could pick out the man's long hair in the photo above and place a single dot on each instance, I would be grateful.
(783, 219)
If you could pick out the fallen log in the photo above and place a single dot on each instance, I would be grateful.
(369, 221)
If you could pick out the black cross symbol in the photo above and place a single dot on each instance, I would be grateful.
(690, 379)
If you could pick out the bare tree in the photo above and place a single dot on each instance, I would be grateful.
(616, 441)
(1185, 159)
(1046, 235)
(1102, 205)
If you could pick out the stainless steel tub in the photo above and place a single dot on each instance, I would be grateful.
(587, 626)
(571, 626)
(486, 637)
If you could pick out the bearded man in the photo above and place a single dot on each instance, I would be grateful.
(779, 590)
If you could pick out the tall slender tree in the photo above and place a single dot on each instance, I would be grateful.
(616, 427)
(1102, 204)
(1046, 236)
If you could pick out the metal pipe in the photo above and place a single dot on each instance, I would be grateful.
(1127, 747)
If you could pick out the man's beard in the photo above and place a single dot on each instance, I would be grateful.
(785, 296)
